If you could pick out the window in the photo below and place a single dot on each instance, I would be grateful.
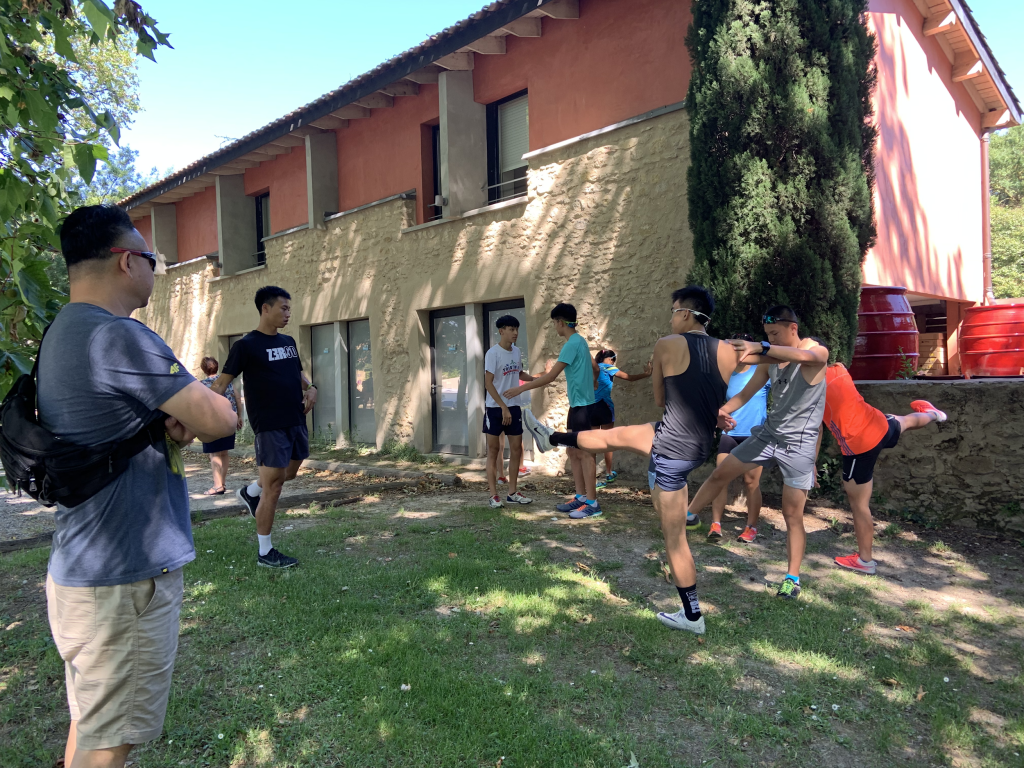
(435, 211)
(262, 226)
(508, 139)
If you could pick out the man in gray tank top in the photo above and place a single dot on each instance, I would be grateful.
(796, 369)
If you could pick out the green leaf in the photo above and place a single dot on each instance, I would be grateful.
(34, 285)
(106, 120)
(98, 16)
(85, 161)
(62, 42)
(6, 93)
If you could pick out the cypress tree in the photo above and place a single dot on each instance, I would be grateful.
(782, 160)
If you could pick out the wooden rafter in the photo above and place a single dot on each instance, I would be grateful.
(376, 100)
(523, 27)
(456, 61)
(561, 9)
(943, 21)
(401, 88)
(426, 75)
(489, 45)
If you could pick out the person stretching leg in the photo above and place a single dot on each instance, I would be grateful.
(747, 417)
(863, 432)
(689, 376)
(796, 368)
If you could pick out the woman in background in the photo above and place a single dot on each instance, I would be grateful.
(218, 449)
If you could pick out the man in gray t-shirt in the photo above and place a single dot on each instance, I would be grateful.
(114, 583)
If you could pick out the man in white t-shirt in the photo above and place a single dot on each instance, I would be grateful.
(503, 369)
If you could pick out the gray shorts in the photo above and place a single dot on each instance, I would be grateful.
(796, 462)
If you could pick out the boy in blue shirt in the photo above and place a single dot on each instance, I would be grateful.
(580, 378)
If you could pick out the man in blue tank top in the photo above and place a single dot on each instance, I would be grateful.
(789, 436)
(690, 371)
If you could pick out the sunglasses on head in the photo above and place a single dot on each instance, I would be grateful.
(147, 255)
(772, 319)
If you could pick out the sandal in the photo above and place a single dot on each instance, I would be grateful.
(216, 491)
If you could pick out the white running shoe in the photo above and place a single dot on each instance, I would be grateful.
(495, 503)
(523, 471)
(518, 498)
(678, 620)
(541, 433)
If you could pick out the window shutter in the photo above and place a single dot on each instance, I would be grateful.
(513, 134)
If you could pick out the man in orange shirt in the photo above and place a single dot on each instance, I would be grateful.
(863, 432)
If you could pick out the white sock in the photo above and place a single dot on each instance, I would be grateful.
(265, 545)
(254, 489)
(862, 561)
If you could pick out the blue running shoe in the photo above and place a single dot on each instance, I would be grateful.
(585, 510)
(569, 506)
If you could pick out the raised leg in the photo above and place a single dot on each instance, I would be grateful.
(637, 439)
(723, 475)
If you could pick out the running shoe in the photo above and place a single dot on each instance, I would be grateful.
(748, 535)
(601, 484)
(678, 620)
(502, 480)
(274, 559)
(251, 502)
(541, 433)
(854, 563)
(692, 520)
(523, 471)
(715, 532)
(495, 502)
(585, 510)
(569, 506)
(518, 498)
(788, 589)
(923, 406)
(611, 477)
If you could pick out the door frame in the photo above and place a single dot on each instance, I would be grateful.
(459, 311)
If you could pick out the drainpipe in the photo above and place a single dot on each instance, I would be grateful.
(986, 230)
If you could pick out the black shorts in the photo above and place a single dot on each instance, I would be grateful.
(601, 413)
(580, 418)
(728, 443)
(861, 468)
(493, 425)
(277, 448)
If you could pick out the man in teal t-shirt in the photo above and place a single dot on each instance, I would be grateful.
(580, 377)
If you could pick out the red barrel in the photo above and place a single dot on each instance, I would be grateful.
(886, 333)
(992, 341)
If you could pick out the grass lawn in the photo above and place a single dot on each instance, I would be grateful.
(525, 642)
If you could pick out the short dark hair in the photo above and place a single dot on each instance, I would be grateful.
(783, 313)
(742, 336)
(604, 354)
(88, 233)
(269, 294)
(566, 312)
(695, 297)
(506, 321)
(209, 365)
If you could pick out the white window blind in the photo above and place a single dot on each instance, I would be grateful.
(513, 134)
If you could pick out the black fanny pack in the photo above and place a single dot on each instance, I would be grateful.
(52, 470)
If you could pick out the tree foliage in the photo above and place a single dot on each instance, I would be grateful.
(49, 130)
(782, 160)
(1006, 166)
(1006, 180)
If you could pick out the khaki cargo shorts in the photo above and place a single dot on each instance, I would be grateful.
(118, 644)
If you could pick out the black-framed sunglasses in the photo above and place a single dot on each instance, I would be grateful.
(147, 255)
(772, 319)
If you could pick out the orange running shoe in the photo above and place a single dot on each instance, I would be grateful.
(716, 531)
(854, 563)
(923, 406)
(748, 535)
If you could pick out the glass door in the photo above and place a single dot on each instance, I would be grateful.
(323, 371)
(516, 308)
(362, 420)
(448, 380)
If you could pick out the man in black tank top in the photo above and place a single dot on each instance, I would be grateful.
(691, 371)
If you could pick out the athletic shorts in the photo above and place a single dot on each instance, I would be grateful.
(728, 443)
(861, 468)
(669, 474)
(796, 463)
(118, 644)
(580, 418)
(493, 425)
(277, 448)
(602, 412)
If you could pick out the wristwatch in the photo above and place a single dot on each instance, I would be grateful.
(765, 346)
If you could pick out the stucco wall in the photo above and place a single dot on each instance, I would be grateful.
(196, 220)
(604, 227)
(928, 195)
(145, 227)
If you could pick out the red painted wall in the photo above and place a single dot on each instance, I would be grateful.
(621, 58)
(928, 196)
(285, 178)
(145, 228)
(380, 155)
(196, 218)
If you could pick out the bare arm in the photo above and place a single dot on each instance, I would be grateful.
(309, 398)
(220, 386)
(492, 391)
(539, 381)
(201, 411)
(658, 376)
(758, 380)
(816, 355)
(648, 369)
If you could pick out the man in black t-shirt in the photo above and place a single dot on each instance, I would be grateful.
(278, 396)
